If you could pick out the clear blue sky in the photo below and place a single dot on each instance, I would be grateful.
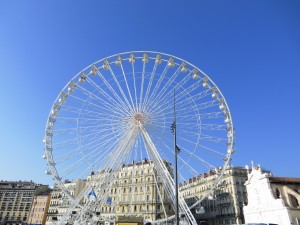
(251, 49)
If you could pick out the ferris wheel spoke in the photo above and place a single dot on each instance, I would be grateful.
(157, 187)
(101, 123)
(212, 115)
(156, 87)
(120, 153)
(162, 171)
(96, 136)
(212, 138)
(219, 154)
(183, 113)
(62, 144)
(111, 90)
(84, 148)
(187, 163)
(125, 143)
(201, 94)
(166, 105)
(190, 169)
(65, 156)
(142, 85)
(169, 182)
(209, 150)
(192, 155)
(90, 156)
(182, 179)
(169, 95)
(88, 112)
(90, 104)
(193, 89)
(106, 103)
(99, 129)
(131, 107)
(201, 106)
(205, 163)
(151, 163)
(79, 151)
(161, 93)
(134, 84)
(111, 102)
(208, 166)
(188, 124)
(102, 181)
(65, 132)
(160, 196)
(82, 128)
(149, 85)
(87, 119)
(203, 137)
(213, 127)
(181, 159)
(97, 106)
(181, 138)
(169, 116)
(192, 101)
(101, 158)
(125, 79)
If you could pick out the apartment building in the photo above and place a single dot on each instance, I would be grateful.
(60, 202)
(15, 201)
(225, 204)
(137, 192)
(39, 207)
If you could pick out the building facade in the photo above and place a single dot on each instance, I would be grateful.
(225, 204)
(60, 202)
(15, 201)
(272, 199)
(137, 192)
(39, 209)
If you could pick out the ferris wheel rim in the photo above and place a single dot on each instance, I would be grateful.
(53, 168)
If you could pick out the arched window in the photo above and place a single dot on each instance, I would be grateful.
(294, 201)
(277, 193)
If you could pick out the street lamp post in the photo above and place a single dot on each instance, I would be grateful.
(176, 151)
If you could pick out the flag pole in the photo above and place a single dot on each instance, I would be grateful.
(176, 150)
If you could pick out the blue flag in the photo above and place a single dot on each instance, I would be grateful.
(92, 196)
(109, 200)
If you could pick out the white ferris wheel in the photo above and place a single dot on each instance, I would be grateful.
(120, 109)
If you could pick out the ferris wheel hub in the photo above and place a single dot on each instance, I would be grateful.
(138, 117)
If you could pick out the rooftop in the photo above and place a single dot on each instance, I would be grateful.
(284, 180)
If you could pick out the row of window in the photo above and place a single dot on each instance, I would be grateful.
(37, 215)
(7, 213)
(40, 203)
(136, 173)
(39, 209)
(36, 221)
(141, 180)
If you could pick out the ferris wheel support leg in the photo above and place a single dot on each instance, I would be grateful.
(167, 178)
(118, 154)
